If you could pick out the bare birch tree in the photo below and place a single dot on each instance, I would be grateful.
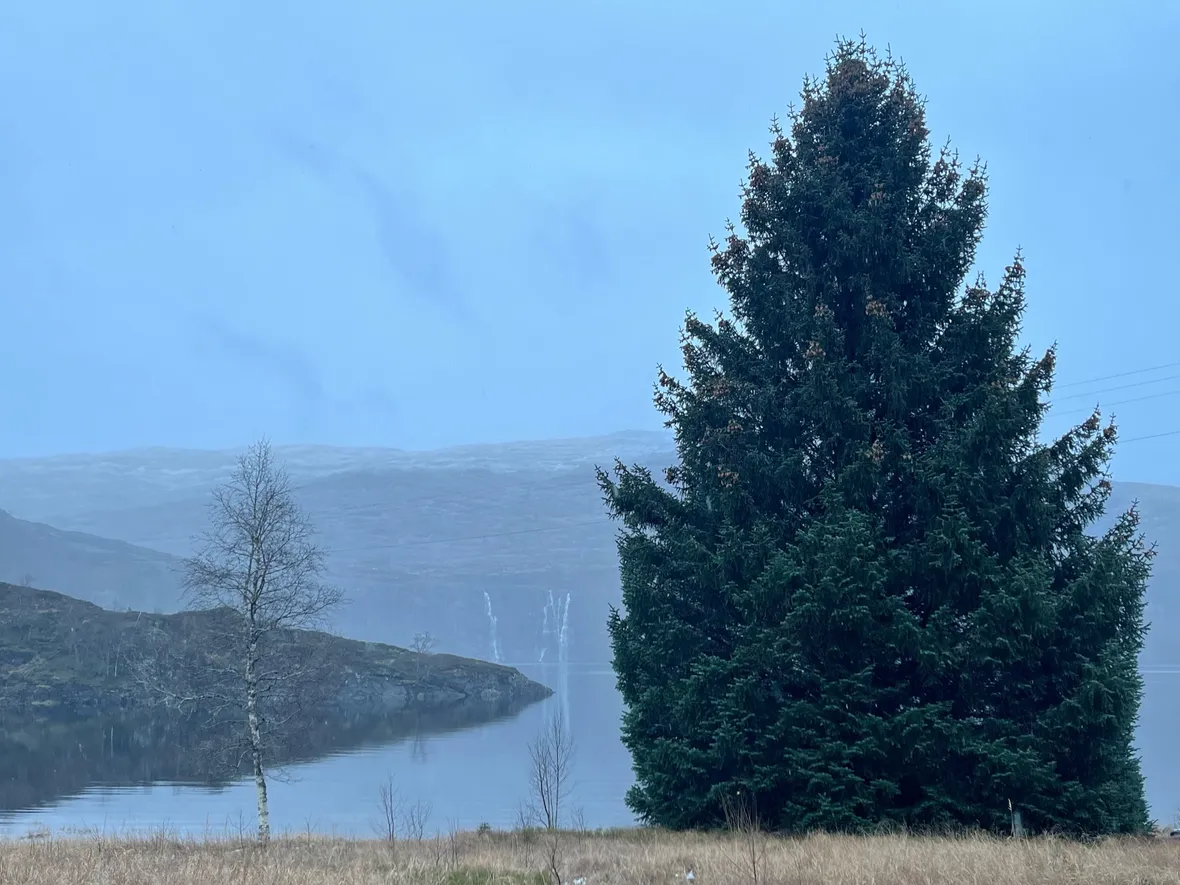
(259, 560)
(551, 755)
(422, 646)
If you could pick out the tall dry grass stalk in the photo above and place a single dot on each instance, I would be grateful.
(639, 857)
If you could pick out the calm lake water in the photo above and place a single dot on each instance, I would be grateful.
(470, 774)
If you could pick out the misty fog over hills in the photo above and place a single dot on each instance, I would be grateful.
(500, 551)
(112, 574)
(419, 540)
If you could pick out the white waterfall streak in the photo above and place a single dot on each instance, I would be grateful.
(492, 627)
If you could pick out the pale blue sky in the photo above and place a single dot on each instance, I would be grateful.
(422, 224)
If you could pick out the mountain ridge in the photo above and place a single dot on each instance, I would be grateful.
(485, 546)
(105, 571)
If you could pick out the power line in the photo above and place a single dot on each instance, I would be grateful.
(1150, 436)
(583, 524)
(1117, 387)
(416, 472)
(1118, 375)
(456, 540)
(1134, 399)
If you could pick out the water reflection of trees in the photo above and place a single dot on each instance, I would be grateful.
(46, 759)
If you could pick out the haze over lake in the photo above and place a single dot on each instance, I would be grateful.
(426, 540)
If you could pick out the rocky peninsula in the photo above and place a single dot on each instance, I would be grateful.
(61, 655)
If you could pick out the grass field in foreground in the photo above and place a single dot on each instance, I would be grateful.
(621, 858)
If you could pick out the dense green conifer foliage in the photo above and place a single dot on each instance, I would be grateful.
(866, 593)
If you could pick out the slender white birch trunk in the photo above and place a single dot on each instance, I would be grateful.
(255, 731)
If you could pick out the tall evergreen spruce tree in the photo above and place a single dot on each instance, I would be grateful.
(866, 594)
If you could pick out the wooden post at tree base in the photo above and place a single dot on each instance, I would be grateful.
(1017, 823)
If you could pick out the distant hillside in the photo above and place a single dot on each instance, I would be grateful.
(418, 538)
(113, 574)
(61, 653)
(46, 489)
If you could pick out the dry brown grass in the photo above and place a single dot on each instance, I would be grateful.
(619, 858)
